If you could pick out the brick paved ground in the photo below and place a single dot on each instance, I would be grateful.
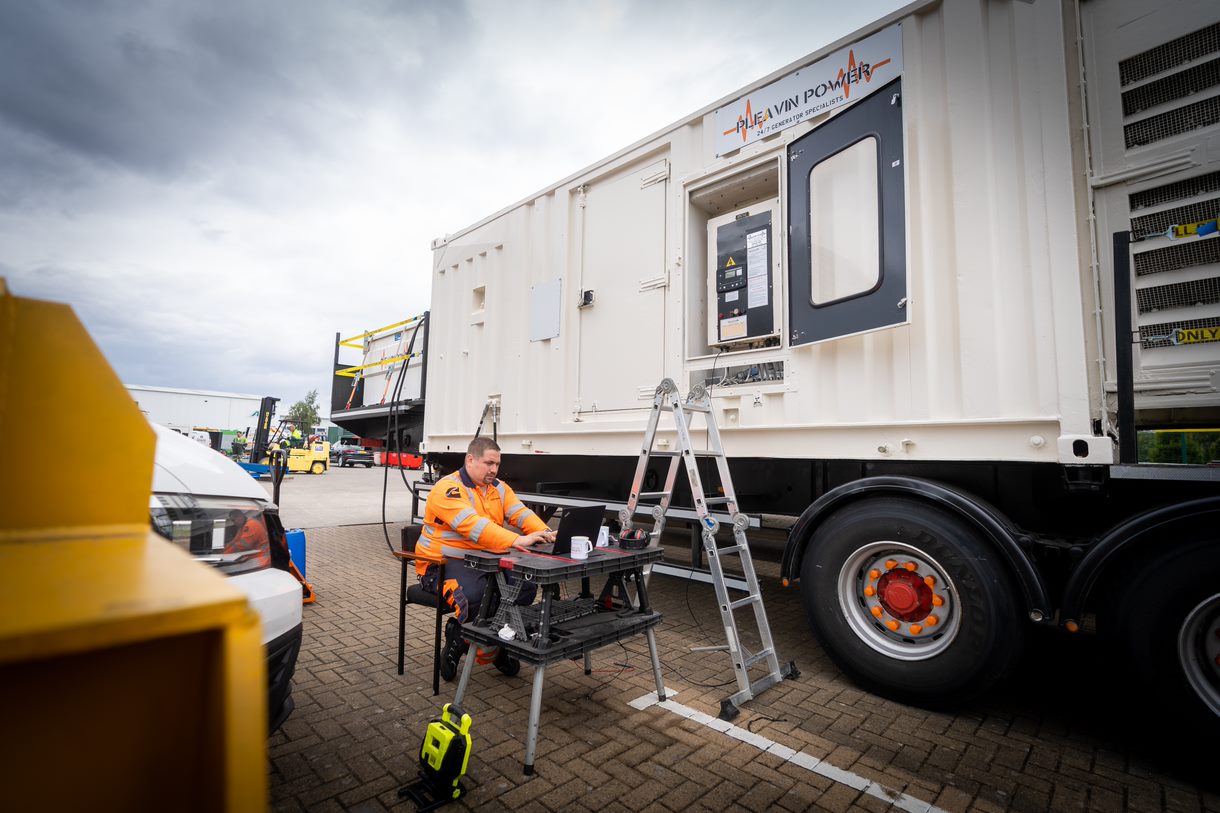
(355, 734)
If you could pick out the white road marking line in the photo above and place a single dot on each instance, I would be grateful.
(902, 801)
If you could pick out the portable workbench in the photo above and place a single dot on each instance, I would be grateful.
(555, 630)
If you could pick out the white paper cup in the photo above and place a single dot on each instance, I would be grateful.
(581, 547)
(603, 537)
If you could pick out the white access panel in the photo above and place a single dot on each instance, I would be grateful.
(621, 223)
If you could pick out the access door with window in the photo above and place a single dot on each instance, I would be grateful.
(847, 220)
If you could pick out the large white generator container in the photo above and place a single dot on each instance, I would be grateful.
(929, 272)
(935, 276)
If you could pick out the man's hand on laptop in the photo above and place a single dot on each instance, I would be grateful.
(526, 541)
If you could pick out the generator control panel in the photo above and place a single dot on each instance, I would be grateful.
(743, 253)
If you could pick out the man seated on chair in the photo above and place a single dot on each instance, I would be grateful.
(472, 510)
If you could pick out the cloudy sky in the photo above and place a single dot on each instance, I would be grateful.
(218, 187)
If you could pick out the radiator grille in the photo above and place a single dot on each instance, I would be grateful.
(1179, 295)
(1160, 335)
(1185, 254)
(1172, 122)
(1170, 55)
(1159, 223)
(1171, 88)
(1189, 188)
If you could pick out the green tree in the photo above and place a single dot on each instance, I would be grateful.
(304, 413)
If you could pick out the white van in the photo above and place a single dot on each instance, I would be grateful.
(209, 506)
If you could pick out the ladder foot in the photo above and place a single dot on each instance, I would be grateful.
(728, 710)
(789, 671)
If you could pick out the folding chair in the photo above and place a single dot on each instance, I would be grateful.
(416, 594)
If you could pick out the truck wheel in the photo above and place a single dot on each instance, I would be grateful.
(1167, 631)
(317, 467)
(908, 601)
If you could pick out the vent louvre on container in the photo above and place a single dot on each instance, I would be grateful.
(1179, 255)
(1178, 190)
(1171, 88)
(1179, 295)
(1155, 224)
(1170, 55)
(1173, 122)
(1160, 335)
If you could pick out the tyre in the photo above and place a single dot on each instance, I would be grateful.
(317, 468)
(368, 465)
(909, 602)
(344, 462)
(1166, 630)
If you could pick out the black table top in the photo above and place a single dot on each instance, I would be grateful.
(548, 569)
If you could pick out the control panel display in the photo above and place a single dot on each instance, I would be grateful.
(742, 280)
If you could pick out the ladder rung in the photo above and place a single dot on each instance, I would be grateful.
(717, 500)
(653, 495)
(755, 658)
(741, 602)
(729, 550)
(695, 408)
(678, 453)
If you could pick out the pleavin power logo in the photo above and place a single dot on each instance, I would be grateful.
(853, 73)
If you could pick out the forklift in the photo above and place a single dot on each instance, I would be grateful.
(269, 443)
(313, 457)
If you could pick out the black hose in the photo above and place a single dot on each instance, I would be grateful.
(392, 432)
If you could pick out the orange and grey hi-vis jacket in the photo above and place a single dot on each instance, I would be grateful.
(461, 516)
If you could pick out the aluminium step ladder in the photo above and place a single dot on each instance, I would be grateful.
(697, 401)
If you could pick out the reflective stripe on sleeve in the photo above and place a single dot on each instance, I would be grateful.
(462, 516)
(520, 521)
(478, 529)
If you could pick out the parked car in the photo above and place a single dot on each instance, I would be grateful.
(347, 452)
(208, 505)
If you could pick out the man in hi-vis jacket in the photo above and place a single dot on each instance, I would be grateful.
(472, 510)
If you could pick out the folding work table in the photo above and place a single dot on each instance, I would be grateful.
(554, 629)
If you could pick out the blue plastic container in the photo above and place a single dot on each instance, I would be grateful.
(296, 548)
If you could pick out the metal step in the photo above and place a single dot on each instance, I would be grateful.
(757, 658)
(741, 602)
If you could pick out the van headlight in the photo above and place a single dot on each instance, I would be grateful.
(226, 532)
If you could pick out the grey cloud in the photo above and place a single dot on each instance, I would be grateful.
(164, 90)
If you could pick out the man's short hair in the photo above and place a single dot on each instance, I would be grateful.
(480, 446)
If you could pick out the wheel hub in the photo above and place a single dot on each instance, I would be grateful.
(899, 600)
(904, 595)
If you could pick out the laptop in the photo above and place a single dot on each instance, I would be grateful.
(583, 521)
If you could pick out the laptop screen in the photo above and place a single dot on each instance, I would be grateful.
(583, 521)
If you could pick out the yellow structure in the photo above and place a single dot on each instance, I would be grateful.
(131, 676)
(314, 458)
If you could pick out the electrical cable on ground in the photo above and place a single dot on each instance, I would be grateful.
(761, 718)
(702, 631)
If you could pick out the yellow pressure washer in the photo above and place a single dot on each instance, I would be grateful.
(443, 759)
